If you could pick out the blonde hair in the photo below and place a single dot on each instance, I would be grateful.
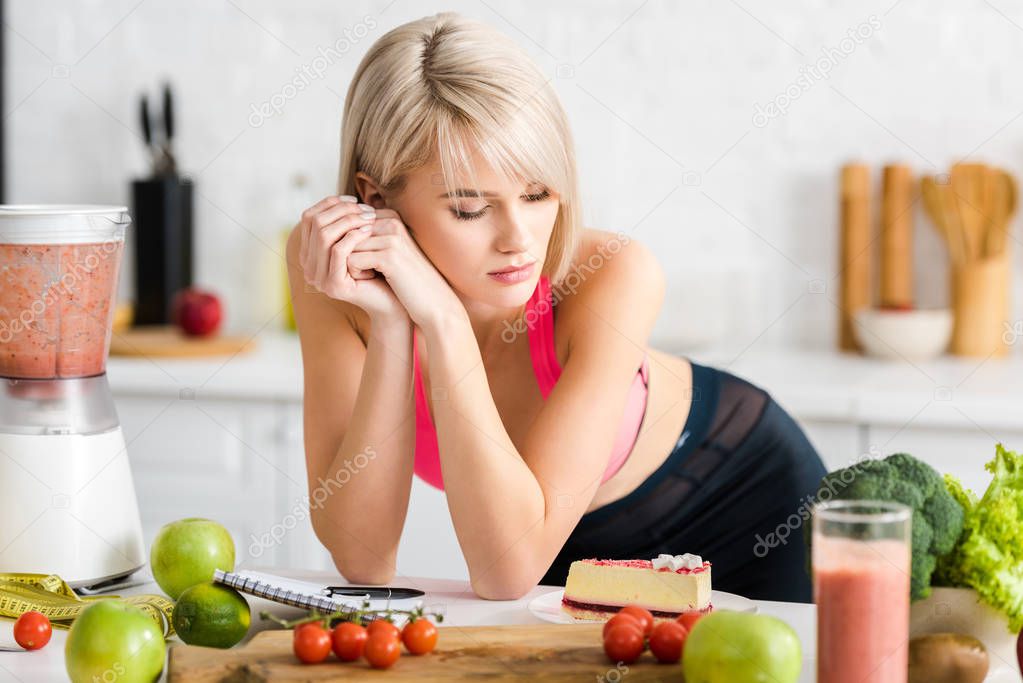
(444, 84)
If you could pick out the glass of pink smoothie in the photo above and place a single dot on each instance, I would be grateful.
(861, 569)
(58, 279)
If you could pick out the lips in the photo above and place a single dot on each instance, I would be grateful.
(512, 269)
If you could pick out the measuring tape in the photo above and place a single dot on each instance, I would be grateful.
(50, 595)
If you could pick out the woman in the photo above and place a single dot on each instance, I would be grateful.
(531, 398)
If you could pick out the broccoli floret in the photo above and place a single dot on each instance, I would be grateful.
(901, 478)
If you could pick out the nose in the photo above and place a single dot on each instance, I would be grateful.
(514, 235)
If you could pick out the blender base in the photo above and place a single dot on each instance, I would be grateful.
(69, 507)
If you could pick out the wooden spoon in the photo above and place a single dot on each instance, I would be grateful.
(968, 196)
(934, 206)
(940, 205)
(956, 231)
(1005, 193)
(997, 208)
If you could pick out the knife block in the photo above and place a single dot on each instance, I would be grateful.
(162, 213)
(979, 292)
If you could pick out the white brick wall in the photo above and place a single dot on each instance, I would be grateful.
(742, 216)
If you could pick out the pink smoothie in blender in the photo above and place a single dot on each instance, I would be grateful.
(58, 269)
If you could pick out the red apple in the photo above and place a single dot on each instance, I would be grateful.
(197, 312)
(1019, 649)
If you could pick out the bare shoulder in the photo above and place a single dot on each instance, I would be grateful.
(614, 277)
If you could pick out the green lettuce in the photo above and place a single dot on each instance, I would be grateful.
(988, 557)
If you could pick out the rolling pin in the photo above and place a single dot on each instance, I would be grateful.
(854, 257)
(897, 236)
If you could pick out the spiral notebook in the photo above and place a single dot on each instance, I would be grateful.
(303, 594)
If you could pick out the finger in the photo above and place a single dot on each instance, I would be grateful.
(373, 242)
(337, 265)
(306, 223)
(325, 237)
(388, 222)
(325, 217)
(359, 274)
(323, 213)
(347, 243)
(367, 260)
(376, 242)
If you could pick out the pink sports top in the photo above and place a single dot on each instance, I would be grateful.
(540, 333)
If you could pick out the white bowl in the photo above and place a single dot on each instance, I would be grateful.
(916, 334)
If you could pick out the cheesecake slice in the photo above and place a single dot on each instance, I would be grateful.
(668, 585)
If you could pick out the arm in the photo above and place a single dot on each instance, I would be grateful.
(513, 511)
(359, 427)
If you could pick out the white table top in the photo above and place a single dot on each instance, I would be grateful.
(461, 608)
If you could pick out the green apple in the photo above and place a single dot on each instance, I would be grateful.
(114, 641)
(187, 551)
(729, 647)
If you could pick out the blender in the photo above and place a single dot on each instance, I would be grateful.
(67, 498)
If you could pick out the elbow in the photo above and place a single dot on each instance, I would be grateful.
(378, 575)
(501, 586)
(499, 592)
(364, 573)
(500, 595)
(366, 570)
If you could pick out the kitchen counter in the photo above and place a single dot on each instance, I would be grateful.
(461, 608)
(240, 419)
(813, 384)
(454, 598)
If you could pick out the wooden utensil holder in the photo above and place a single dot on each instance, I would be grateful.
(979, 291)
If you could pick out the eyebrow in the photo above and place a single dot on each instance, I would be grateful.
(464, 192)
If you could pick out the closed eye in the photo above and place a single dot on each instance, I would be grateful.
(474, 215)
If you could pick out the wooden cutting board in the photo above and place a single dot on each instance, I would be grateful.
(169, 341)
(548, 652)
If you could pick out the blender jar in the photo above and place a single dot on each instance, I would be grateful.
(58, 282)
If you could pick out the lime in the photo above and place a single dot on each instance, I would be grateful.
(187, 551)
(211, 615)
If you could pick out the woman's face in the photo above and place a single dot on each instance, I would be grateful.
(475, 231)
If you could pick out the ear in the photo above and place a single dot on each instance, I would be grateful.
(369, 192)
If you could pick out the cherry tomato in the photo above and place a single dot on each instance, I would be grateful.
(623, 643)
(348, 640)
(382, 649)
(622, 619)
(311, 643)
(689, 619)
(32, 630)
(667, 640)
(419, 636)
(385, 625)
(642, 615)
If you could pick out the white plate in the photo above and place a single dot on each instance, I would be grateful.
(548, 606)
